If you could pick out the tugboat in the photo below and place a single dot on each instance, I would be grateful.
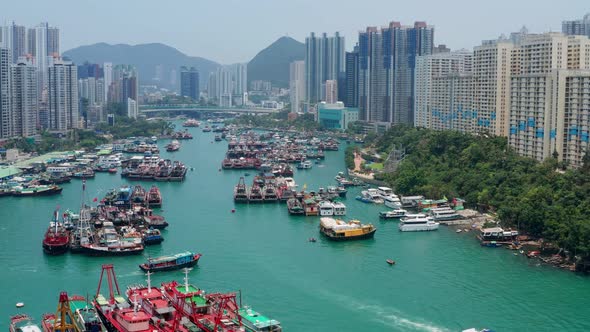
(57, 238)
(154, 197)
(173, 262)
(23, 323)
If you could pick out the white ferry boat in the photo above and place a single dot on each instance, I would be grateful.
(445, 214)
(392, 201)
(418, 224)
(393, 214)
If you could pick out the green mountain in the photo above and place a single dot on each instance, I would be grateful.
(272, 63)
(155, 62)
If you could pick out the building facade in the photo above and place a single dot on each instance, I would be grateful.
(429, 67)
(297, 85)
(351, 94)
(331, 92)
(577, 27)
(189, 83)
(25, 107)
(5, 94)
(324, 60)
(387, 59)
(63, 97)
(336, 115)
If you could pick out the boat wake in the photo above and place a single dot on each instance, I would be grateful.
(390, 316)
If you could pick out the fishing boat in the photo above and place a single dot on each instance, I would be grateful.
(339, 230)
(256, 194)
(172, 262)
(36, 190)
(217, 138)
(57, 239)
(241, 191)
(23, 323)
(393, 214)
(207, 129)
(85, 316)
(191, 123)
(173, 146)
(154, 197)
(256, 322)
(110, 243)
(419, 224)
(115, 311)
(270, 193)
(152, 236)
(294, 207)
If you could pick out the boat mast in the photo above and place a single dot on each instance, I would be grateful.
(186, 271)
(149, 281)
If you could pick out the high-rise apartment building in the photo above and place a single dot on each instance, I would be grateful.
(132, 108)
(545, 70)
(125, 84)
(92, 90)
(387, 58)
(63, 96)
(297, 85)
(52, 41)
(433, 66)
(324, 60)
(331, 95)
(14, 38)
(107, 69)
(41, 55)
(5, 94)
(24, 99)
(450, 104)
(224, 86)
(577, 27)
(350, 88)
(189, 83)
(240, 79)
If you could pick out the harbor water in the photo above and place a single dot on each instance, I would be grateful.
(442, 281)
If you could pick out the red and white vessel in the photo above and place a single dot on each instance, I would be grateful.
(57, 238)
(115, 311)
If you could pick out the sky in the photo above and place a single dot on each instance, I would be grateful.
(230, 31)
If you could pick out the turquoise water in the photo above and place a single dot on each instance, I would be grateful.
(442, 281)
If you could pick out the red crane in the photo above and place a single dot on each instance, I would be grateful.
(108, 268)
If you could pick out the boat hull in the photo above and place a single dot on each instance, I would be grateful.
(98, 252)
(420, 228)
(365, 236)
(192, 263)
(55, 249)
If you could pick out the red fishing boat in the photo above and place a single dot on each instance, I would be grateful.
(116, 312)
(57, 238)
(154, 197)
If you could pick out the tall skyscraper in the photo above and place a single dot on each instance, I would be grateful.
(224, 88)
(63, 96)
(108, 78)
(25, 107)
(324, 60)
(5, 94)
(429, 67)
(212, 86)
(189, 82)
(52, 41)
(297, 85)
(387, 58)
(331, 92)
(351, 89)
(125, 84)
(41, 55)
(240, 79)
(577, 27)
(132, 108)
(32, 41)
(14, 38)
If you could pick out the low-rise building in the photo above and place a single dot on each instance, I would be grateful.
(336, 116)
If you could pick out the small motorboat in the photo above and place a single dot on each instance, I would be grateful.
(390, 262)
(458, 231)
(113, 170)
(312, 239)
(246, 174)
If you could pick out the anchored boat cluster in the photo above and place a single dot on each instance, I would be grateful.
(171, 307)
(122, 223)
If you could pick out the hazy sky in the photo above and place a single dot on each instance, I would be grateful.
(229, 31)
